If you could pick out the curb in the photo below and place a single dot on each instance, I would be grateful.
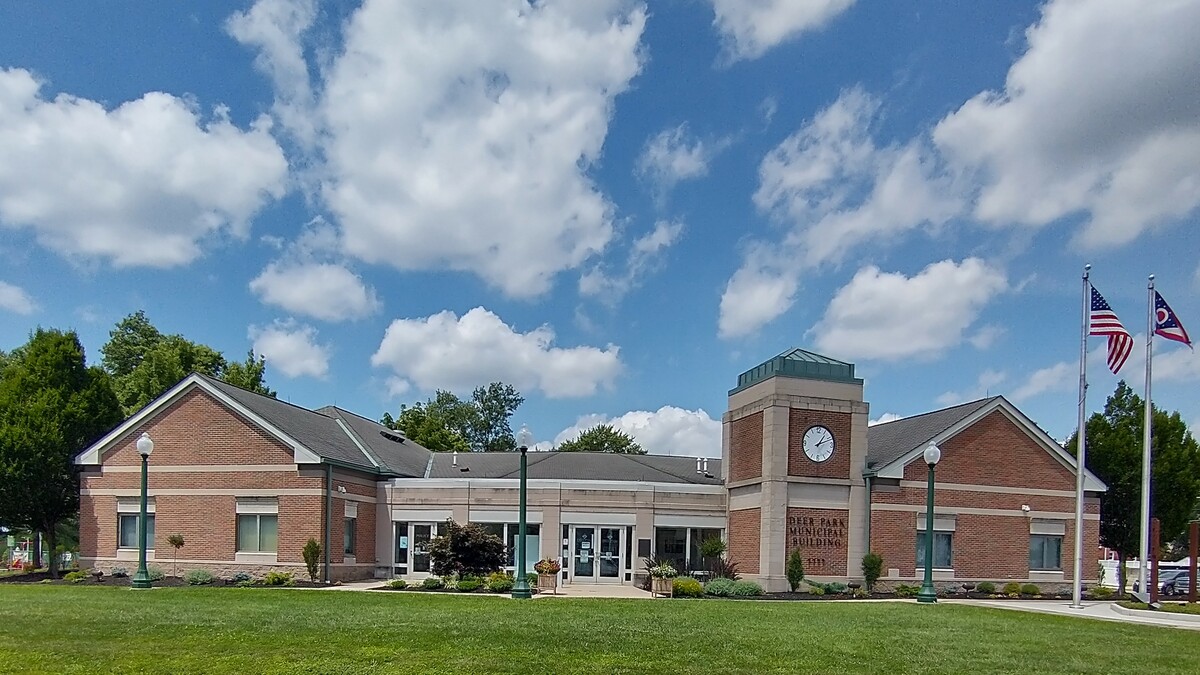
(1148, 613)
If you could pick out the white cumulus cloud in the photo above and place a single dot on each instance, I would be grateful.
(675, 155)
(145, 183)
(644, 256)
(14, 299)
(985, 385)
(444, 351)
(889, 316)
(291, 348)
(1082, 128)
(751, 27)
(666, 431)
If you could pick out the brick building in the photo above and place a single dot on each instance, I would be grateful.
(247, 480)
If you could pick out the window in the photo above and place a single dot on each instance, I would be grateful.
(671, 543)
(257, 533)
(697, 536)
(127, 530)
(942, 550)
(533, 548)
(401, 538)
(1045, 552)
(348, 530)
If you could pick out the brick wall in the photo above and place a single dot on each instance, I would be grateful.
(823, 536)
(996, 453)
(746, 447)
(799, 422)
(198, 431)
(744, 535)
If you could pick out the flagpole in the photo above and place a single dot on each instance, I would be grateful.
(1081, 435)
(1144, 522)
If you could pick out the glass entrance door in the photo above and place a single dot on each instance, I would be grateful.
(597, 554)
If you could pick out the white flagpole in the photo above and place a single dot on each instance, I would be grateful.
(1081, 455)
(1144, 523)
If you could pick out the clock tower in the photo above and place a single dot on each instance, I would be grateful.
(794, 450)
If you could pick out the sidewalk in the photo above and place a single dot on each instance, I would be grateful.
(1102, 610)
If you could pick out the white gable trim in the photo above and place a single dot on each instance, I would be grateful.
(1091, 483)
(93, 456)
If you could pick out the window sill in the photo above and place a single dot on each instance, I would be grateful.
(132, 554)
(256, 558)
(1046, 575)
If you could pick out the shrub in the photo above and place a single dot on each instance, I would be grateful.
(795, 569)
(745, 589)
(1100, 593)
(398, 583)
(547, 566)
(835, 588)
(720, 587)
(246, 583)
(312, 558)
(907, 590)
(240, 577)
(75, 577)
(433, 583)
(531, 579)
(985, 587)
(465, 550)
(861, 593)
(816, 589)
(198, 577)
(275, 578)
(120, 572)
(686, 587)
(1011, 588)
(500, 583)
(1030, 589)
(156, 573)
(712, 548)
(469, 585)
(724, 568)
(872, 569)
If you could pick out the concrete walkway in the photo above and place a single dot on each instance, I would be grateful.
(1101, 610)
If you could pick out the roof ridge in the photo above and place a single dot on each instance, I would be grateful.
(219, 381)
(637, 458)
(939, 410)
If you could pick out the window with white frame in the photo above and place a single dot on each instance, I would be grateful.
(128, 512)
(349, 528)
(943, 542)
(257, 525)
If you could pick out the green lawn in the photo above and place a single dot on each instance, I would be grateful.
(90, 630)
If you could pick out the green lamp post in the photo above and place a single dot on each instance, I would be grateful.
(141, 579)
(521, 587)
(927, 594)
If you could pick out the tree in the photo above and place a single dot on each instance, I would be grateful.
(312, 558)
(795, 568)
(1114, 454)
(176, 542)
(465, 550)
(603, 438)
(446, 423)
(128, 343)
(248, 374)
(872, 569)
(52, 406)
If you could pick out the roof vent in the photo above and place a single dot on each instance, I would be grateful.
(392, 435)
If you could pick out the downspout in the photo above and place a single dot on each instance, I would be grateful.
(328, 514)
(868, 477)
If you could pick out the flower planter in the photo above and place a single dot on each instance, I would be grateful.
(661, 586)
(547, 583)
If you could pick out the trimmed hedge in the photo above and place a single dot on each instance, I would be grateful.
(686, 587)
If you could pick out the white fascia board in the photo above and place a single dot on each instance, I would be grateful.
(566, 484)
(1090, 482)
(93, 455)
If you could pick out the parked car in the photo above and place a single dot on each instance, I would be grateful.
(1177, 585)
(1165, 576)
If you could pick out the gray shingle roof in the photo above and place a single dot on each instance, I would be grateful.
(576, 466)
(320, 432)
(892, 440)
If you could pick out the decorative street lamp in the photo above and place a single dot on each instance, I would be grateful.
(521, 587)
(927, 594)
(141, 579)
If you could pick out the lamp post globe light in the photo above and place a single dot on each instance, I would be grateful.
(521, 585)
(141, 579)
(927, 593)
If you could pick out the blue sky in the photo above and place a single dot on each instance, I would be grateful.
(616, 207)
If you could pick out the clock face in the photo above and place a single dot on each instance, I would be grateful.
(818, 444)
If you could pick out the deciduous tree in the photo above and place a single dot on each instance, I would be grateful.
(603, 438)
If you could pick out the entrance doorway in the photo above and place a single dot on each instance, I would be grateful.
(597, 554)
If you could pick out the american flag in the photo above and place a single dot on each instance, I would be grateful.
(1166, 323)
(1104, 321)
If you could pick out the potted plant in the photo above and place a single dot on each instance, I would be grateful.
(547, 574)
(662, 579)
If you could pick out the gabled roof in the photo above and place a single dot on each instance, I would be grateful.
(330, 435)
(599, 466)
(893, 445)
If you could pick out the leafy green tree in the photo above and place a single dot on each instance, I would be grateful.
(465, 550)
(795, 568)
(52, 406)
(128, 343)
(248, 374)
(1114, 454)
(603, 438)
(447, 423)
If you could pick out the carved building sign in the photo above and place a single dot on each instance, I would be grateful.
(822, 539)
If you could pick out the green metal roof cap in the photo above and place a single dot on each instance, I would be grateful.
(799, 363)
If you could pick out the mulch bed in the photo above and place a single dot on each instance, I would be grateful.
(166, 582)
